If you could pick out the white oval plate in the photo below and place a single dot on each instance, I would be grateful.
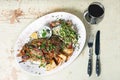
(38, 24)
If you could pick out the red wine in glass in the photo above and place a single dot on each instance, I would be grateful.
(95, 10)
(95, 13)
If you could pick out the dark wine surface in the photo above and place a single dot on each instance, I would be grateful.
(95, 10)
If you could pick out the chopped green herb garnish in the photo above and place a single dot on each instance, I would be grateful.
(42, 46)
(39, 57)
(44, 33)
(67, 33)
(27, 54)
(42, 65)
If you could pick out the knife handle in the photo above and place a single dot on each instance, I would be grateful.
(97, 66)
(89, 70)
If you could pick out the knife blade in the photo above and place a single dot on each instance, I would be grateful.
(97, 52)
(97, 43)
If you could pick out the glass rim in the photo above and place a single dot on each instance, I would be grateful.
(99, 4)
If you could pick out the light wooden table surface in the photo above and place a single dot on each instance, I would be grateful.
(11, 25)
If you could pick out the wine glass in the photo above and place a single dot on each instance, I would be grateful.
(95, 13)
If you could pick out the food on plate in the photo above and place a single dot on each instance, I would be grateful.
(34, 35)
(54, 51)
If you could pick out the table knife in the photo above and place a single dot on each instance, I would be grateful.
(97, 52)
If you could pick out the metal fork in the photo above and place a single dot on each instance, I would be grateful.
(90, 45)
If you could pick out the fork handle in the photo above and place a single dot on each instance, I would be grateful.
(89, 70)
